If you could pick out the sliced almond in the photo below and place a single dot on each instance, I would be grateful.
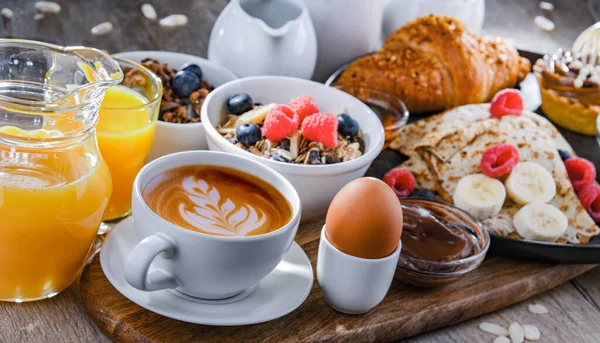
(502, 339)
(494, 329)
(537, 309)
(515, 330)
(531, 332)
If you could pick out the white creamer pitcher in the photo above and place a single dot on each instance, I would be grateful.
(264, 37)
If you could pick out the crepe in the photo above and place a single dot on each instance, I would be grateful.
(445, 147)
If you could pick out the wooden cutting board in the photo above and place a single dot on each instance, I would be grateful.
(406, 311)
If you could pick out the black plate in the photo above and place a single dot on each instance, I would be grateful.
(585, 146)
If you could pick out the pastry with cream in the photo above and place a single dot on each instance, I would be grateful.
(570, 87)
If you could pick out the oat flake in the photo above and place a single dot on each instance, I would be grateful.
(38, 16)
(546, 6)
(494, 329)
(47, 7)
(538, 309)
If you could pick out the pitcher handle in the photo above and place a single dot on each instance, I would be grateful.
(141, 257)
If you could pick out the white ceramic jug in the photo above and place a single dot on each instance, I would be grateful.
(345, 30)
(264, 37)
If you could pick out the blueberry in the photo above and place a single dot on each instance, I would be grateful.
(277, 158)
(314, 157)
(347, 126)
(284, 144)
(564, 155)
(422, 193)
(194, 68)
(248, 134)
(184, 83)
(239, 103)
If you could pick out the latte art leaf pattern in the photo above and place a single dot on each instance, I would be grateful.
(215, 215)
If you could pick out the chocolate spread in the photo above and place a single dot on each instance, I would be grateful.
(559, 71)
(428, 237)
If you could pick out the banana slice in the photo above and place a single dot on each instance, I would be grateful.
(529, 182)
(479, 195)
(256, 115)
(540, 222)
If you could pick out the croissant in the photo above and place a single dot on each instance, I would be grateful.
(435, 63)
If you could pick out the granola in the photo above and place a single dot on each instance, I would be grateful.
(295, 148)
(174, 108)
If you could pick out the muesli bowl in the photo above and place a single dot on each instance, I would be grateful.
(316, 184)
(175, 137)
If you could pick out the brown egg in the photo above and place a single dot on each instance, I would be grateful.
(365, 219)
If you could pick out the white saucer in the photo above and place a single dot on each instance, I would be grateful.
(278, 294)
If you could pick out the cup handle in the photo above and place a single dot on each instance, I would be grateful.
(141, 257)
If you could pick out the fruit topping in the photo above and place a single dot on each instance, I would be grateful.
(590, 199)
(185, 82)
(479, 195)
(499, 160)
(280, 122)
(304, 106)
(347, 126)
(256, 115)
(422, 193)
(530, 182)
(239, 103)
(321, 127)
(194, 68)
(564, 155)
(540, 222)
(581, 172)
(401, 180)
(506, 102)
(248, 134)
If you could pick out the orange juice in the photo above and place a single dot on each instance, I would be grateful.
(51, 204)
(125, 132)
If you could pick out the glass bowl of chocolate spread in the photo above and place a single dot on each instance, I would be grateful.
(440, 243)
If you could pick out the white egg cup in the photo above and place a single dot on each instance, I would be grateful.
(351, 284)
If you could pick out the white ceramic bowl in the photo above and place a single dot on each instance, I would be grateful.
(316, 184)
(172, 137)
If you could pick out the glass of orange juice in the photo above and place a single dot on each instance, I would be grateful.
(54, 186)
(125, 131)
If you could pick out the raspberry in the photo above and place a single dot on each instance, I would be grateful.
(304, 106)
(402, 182)
(280, 122)
(499, 160)
(590, 199)
(506, 102)
(581, 172)
(321, 127)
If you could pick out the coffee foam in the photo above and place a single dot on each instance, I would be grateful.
(215, 216)
(217, 201)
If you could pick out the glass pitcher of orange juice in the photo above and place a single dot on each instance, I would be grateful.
(54, 185)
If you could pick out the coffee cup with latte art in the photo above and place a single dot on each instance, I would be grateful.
(210, 224)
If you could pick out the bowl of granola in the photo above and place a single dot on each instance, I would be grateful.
(318, 137)
(187, 80)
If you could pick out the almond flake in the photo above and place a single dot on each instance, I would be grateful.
(538, 309)
(38, 16)
(7, 13)
(174, 20)
(546, 6)
(47, 7)
(102, 29)
(502, 339)
(515, 330)
(494, 329)
(531, 332)
(544, 23)
(148, 11)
